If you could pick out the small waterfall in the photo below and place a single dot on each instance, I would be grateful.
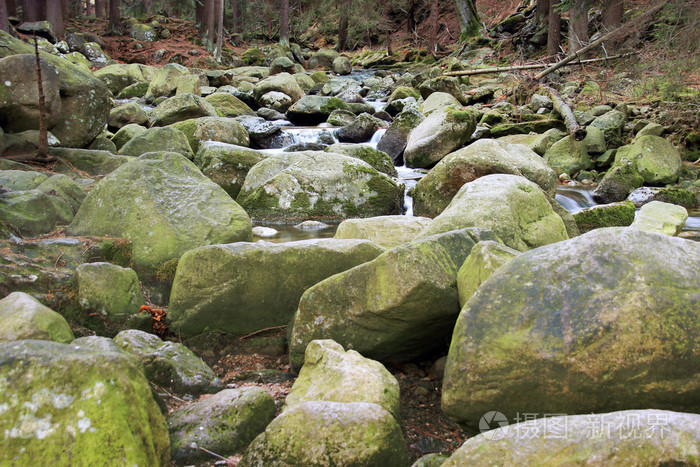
(574, 199)
(409, 177)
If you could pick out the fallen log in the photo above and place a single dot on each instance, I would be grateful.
(575, 130)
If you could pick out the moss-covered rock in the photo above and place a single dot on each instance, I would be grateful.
(167, 138)
(516, 209)
(342, 65)
(65, 402)
(568, 156)
(332, 374)
(225, 423)
(323, 58)
(594, 140)
(33, 212)
(127, 113)
(169, 364)
(220, 129)
(179, 108)
(484, 259)
(24, 317)
(656, 160)
(188, 84)
(282, 82)
(65, 188)
(320, 185)
(611, 123)
(387, 231)
(659, 217)
(231, 287)
(393, 141)
(434, 192)
(438, 100)
(108, 289)
(20, 180)
(374, 157)
(447, 84)
(226, 165)
(94, 162)
(126, 133)
(605, 215)
(361, 129)
(144, 202)
(618, 182)
(340, 117)
(396, 307)
(564, 329)
(228, 105)
(524, 128)
(134, 90)
(329, 433)
(312, 110)
(164, 83)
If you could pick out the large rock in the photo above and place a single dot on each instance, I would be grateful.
(240, 288)
(484, 259)
(119, 76)
(127, 113)
(33, 212)
(393, 141)
(64, 404)
(361, 129)
(329, 433)
(157, 140)
(445, 84)
(227, 165)
(321, 185)
(516, 209)
(179, 108)
(84, 98)
(282, 82)
(443, 131)
(323, 58)
(398, 306)
(438, 100)
(169, 364)
(220, 129)
(618, 182)
(374, 157)
(660, 217)
(164, 83)
(24, 317)
(312, 110)
(656, 160)
(224, 423)
(434, 192)
(64, 187)
(568, 156)
(94, 162)
(125, 133)
(228, 105)
(21, 180)
(144, 201)
(630, 437)
(567, 327)
(611, 124)
(387, 231)
(342, 66)
(108, 289)
(332, 374)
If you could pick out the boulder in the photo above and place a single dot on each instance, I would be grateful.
(110, 290)
(169, 364)
(516, 209)
(281, 65)
(127, 113)
(618, 182)
(65, 402)
(387, 231)
(94, 162)
(656, 160)
(144, 202)
(143, 32)
(276, 100)
(605, 215)
(564, 329)
(342, 66)
(179, 108)
(24, 317)
(332, 374)
(260, 131)
(526, 127)
(38, 28)
(361, 129)
(611, 124)
(438, 100)
(282, 82)
(568, 156)
(393, 106)
(443, 131)
(653, 129)
(484, 259)
(329, 433)
(120, 76)
(434, 192)
(188, 84)
(33, 212)
(323, 58)
(402, 304)
(630, 437)
(227, 165)
(220, 129)
(594, 140)
(393, 141)
(164, 83)
(158, 139)
(445, 84)
(84, 98)
(125, 133)
(321, 185)
(312, 110)
(340, 117)
(660, 217)
(21, 180)
(377, 159)
(65, 188)
(231, 287)
(224, 423)
(228, 105)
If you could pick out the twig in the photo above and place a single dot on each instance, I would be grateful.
(216, 455)
(261, 330)
(535, 66)
(58, 259)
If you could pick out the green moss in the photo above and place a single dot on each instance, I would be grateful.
(258, 200)
(461, 116)
(301, 201)
(188, 128)
(334, 104)
(679, 196)
(166, 271)
(116, 251)
(253, 56)
(608, 215)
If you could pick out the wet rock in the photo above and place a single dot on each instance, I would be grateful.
(663, 218)
(218, 129)
(393, 141)
(158, 139)
(387, 231)
(360, 130)
(179, 108)
(108, 289)
(24, 317)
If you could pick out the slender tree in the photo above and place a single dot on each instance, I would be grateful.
(542, 10)
(612, 16)
(88, 8)
(344, 12)
(236, 21)
(65, 6)
(54, 14)
(99, 8)
(4, 23)
(578, 27)
(42, 150)
(387, 27)
(30, 10)
(554, 31)
(467, 18)
(284, 22)
(433, 26)
(411, 16)
(11, 8)
(219, 7)
(207, 25)
(115, 19)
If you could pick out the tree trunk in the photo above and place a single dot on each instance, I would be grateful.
(387, 26)
(11, 8)
(219, 7)
(236, 22)
(284, 23)
(542, 11)
(343, 27)
(54, 14)
(30, 10)
(76, 8)
(148, 6)
(411, 13)
(433, 26)
(115, 19)
(468, 19)
(554, 32)
(578, 28)
(65, 4)
(42, 150)
(88, 8)
(209, 22)
(199, 13)
(4, 24)
(612, 16)
(99, 8)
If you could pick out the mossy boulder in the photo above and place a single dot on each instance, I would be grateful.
(319, 185)
(65, 188)
(225, 423)
(84, 98)
(660, 217)
(94, 162)
(630, 437)
(188, 84)
(618, 182)
(120, 76)
(329, 433)
(605, 215)
(387, 231)
(483, 260)
(438, 100)
(282, 82)
(66, 402)
(158, 139)
(33, 212)
(125, 133)
(227, 165)
(568, 156)
(20, 180)
(228, 105)
(594, 140)
(361, 129)
(443, 131)
(275, 100)
(108, 289)
(127, 113)
(340, 117)
(515, 208)
(144, 202)
(134, 90)
(230, 287)
(179, 108)
(312, 110)
(611, 124)
(377, 159)
(342, 66)
(164, 83)
(323, 58)
(401, 305)
(434, 192)
(219, 129)
(332, 374)
(143, 32)
(656, 160)
(393, 141)
(564, 329)
(447, 84)
(24, 317)
(169, 364)
(526, 127)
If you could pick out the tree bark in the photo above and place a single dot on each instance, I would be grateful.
(99, 8)
(115, 19)
(30, 10)
(343, 26)
(612, 16)
(411, 14)
(387, 27)
(219, 7)
(236, 22)
(542, 11)
(4, 23)
(42, 150)
(578, 27)
(54, 14)
(467, 18)
(433, 26)
(210, 15)
(65, 4)
(88, 8)
(11, 8)
(554, 32)
(199, 13)
(575, 130)
(284, 23)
